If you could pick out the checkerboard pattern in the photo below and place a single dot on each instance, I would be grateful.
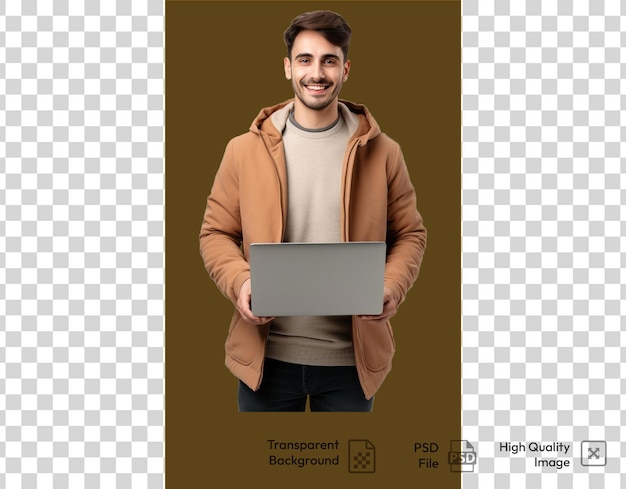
(81, 244)
(360, 461)
(543, 234)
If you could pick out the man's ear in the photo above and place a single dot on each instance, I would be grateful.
(287, 68)
(346, 70)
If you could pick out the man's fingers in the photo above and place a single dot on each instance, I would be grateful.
(389, 308)
(243, 305)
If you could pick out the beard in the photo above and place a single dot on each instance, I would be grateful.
(312, 102)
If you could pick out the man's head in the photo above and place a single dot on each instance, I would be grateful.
(317, 64)
(329, 24)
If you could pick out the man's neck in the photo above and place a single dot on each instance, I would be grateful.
(315, 119)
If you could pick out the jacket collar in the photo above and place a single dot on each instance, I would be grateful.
(365, 125)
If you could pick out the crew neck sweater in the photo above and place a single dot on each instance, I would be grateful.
(314, 161)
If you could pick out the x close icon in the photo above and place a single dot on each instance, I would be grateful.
(593, 453)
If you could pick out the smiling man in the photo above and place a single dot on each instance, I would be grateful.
(317, 73)
(311, 169)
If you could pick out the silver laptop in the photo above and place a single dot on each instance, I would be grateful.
(317, 279)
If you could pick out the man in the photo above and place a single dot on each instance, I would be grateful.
(311, 169)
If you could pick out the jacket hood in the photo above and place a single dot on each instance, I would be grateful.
(367, 128)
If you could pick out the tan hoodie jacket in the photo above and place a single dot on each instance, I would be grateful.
(248, 204)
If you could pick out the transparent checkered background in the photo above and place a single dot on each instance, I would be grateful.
(543, 234)
(81, 244)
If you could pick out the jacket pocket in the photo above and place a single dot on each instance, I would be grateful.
(245, 341)
(376, 343)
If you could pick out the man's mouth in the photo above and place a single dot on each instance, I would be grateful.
(317, 88)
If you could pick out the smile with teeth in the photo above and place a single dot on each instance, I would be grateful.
(317, 88)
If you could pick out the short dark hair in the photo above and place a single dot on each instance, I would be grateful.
(329, 24)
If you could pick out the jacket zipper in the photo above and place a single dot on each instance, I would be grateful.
(348, 181)
(280, 186)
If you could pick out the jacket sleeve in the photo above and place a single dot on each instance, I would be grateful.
(406, 234)
(221, 231)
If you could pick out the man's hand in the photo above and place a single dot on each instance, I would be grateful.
(243, 305)
(390, 308)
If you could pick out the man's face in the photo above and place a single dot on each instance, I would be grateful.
(316, 69)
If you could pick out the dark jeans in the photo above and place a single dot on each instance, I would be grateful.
(286, 386)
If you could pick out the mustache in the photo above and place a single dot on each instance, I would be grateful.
(321, 81)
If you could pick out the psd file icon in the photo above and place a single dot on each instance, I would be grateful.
(462, 456)
(361, 456)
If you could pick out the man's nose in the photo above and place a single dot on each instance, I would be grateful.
(318, 71)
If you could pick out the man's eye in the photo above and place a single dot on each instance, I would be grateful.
(329, 61)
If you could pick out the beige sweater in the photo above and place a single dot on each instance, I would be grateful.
(314, 167)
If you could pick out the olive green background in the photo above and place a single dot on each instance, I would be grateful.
(223, 63)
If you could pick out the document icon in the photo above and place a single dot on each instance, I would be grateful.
(361, 456)
(462, 456)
